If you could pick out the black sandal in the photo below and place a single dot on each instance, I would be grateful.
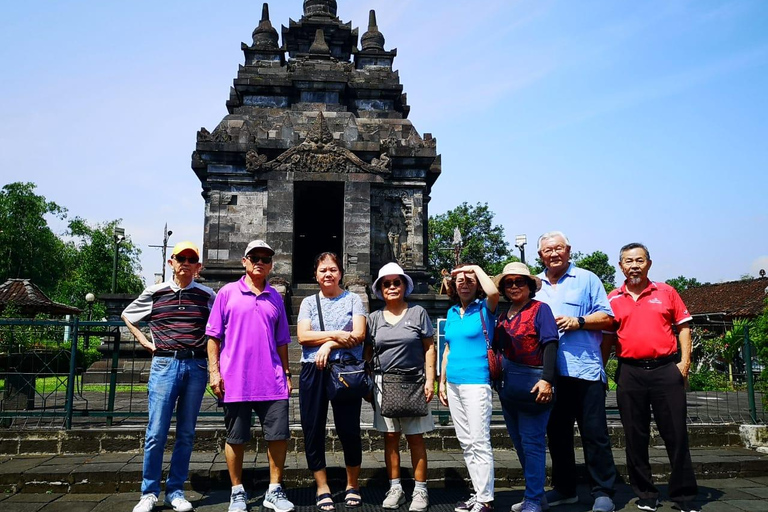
(352, 498)
(323, 505)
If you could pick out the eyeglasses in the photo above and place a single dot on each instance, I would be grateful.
(183, 259)
(396, 283)
(550, 250)
(255, 259)
(520, 282)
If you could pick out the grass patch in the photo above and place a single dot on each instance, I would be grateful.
(48, 385)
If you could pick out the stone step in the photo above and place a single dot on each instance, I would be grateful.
(121, 472)
(211, 435)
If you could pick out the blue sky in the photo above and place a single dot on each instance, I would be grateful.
(612, 121)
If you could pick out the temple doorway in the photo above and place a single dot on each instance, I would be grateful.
(318, 224)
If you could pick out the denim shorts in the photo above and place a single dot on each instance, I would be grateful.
(273, 416)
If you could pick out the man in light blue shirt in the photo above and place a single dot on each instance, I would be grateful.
(580, 305)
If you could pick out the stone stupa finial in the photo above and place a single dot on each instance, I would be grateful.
(265, 36)
(372, 39)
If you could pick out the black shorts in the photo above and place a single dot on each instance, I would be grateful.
(273, 416)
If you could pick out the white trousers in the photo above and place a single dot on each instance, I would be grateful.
(470, 406)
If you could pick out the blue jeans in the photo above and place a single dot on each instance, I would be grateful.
(173, 383)
(527, 426)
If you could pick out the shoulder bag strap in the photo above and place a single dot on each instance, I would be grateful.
(319, 311)
(485, 329)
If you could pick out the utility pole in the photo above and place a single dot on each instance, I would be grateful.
(118, 236)
(166, 235)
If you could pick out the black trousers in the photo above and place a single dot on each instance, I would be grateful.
(313, 407)
(582, 401)
(662, 390)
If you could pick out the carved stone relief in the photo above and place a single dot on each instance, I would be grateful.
(394, 235)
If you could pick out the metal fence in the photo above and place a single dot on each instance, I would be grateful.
(73, 373)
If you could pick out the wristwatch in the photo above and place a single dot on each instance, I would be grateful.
(581, 321)
(288, 374)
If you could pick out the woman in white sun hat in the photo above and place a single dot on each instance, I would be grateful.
(400, 341)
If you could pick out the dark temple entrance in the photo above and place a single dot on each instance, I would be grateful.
(318, 224)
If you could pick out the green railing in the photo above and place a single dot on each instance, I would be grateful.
(74, 373)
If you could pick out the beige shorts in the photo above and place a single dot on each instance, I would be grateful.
(408, 426)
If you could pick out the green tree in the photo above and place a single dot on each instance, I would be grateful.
(597, 263)
(681, 283)
(483, 242)
(28, 247)
(90, 260)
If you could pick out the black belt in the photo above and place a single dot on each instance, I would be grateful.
(649, 364)
(189, 353)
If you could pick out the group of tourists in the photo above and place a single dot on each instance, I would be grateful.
(544, 356)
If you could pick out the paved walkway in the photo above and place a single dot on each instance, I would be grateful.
(730, 495)
(730, 479)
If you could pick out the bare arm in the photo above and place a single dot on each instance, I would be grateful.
(368, 352)
(597, 321)
(686, 346)
(214, 374)
(143, 341)
(338, 339)
(443, 388)
(430, 359)
(491, 292)
(282, 351)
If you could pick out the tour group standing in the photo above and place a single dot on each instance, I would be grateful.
(549, 352)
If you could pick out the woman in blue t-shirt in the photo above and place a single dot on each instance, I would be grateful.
(465, 383)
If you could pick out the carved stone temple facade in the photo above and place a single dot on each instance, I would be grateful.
(316, 154)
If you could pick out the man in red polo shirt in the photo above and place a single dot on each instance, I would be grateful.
(646, 316)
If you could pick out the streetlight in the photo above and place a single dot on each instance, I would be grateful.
(457, 243)
(166, 235)
(118, 236)
(520, 241)
(89, 298)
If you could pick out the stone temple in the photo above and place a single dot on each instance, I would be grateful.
(316, 154)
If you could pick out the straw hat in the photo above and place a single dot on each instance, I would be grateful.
(516, 268)
(391, 269)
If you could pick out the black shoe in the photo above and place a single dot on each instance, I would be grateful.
(650, 504)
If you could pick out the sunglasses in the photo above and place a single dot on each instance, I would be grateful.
(183, 259)
(396, 283)
(256, 259)
(520, 282)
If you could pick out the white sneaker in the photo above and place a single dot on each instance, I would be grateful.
(179, 504)
(277, 500)
(237, 501)
(518, 507)
(394, 498)
(419, 501)
(146, 503)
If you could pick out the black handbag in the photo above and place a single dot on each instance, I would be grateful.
(402, 391)
(348, 377)
(402, 395)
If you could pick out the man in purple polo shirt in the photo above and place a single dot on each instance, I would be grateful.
(248, 366)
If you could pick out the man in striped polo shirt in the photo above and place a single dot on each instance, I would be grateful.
(177, 312)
